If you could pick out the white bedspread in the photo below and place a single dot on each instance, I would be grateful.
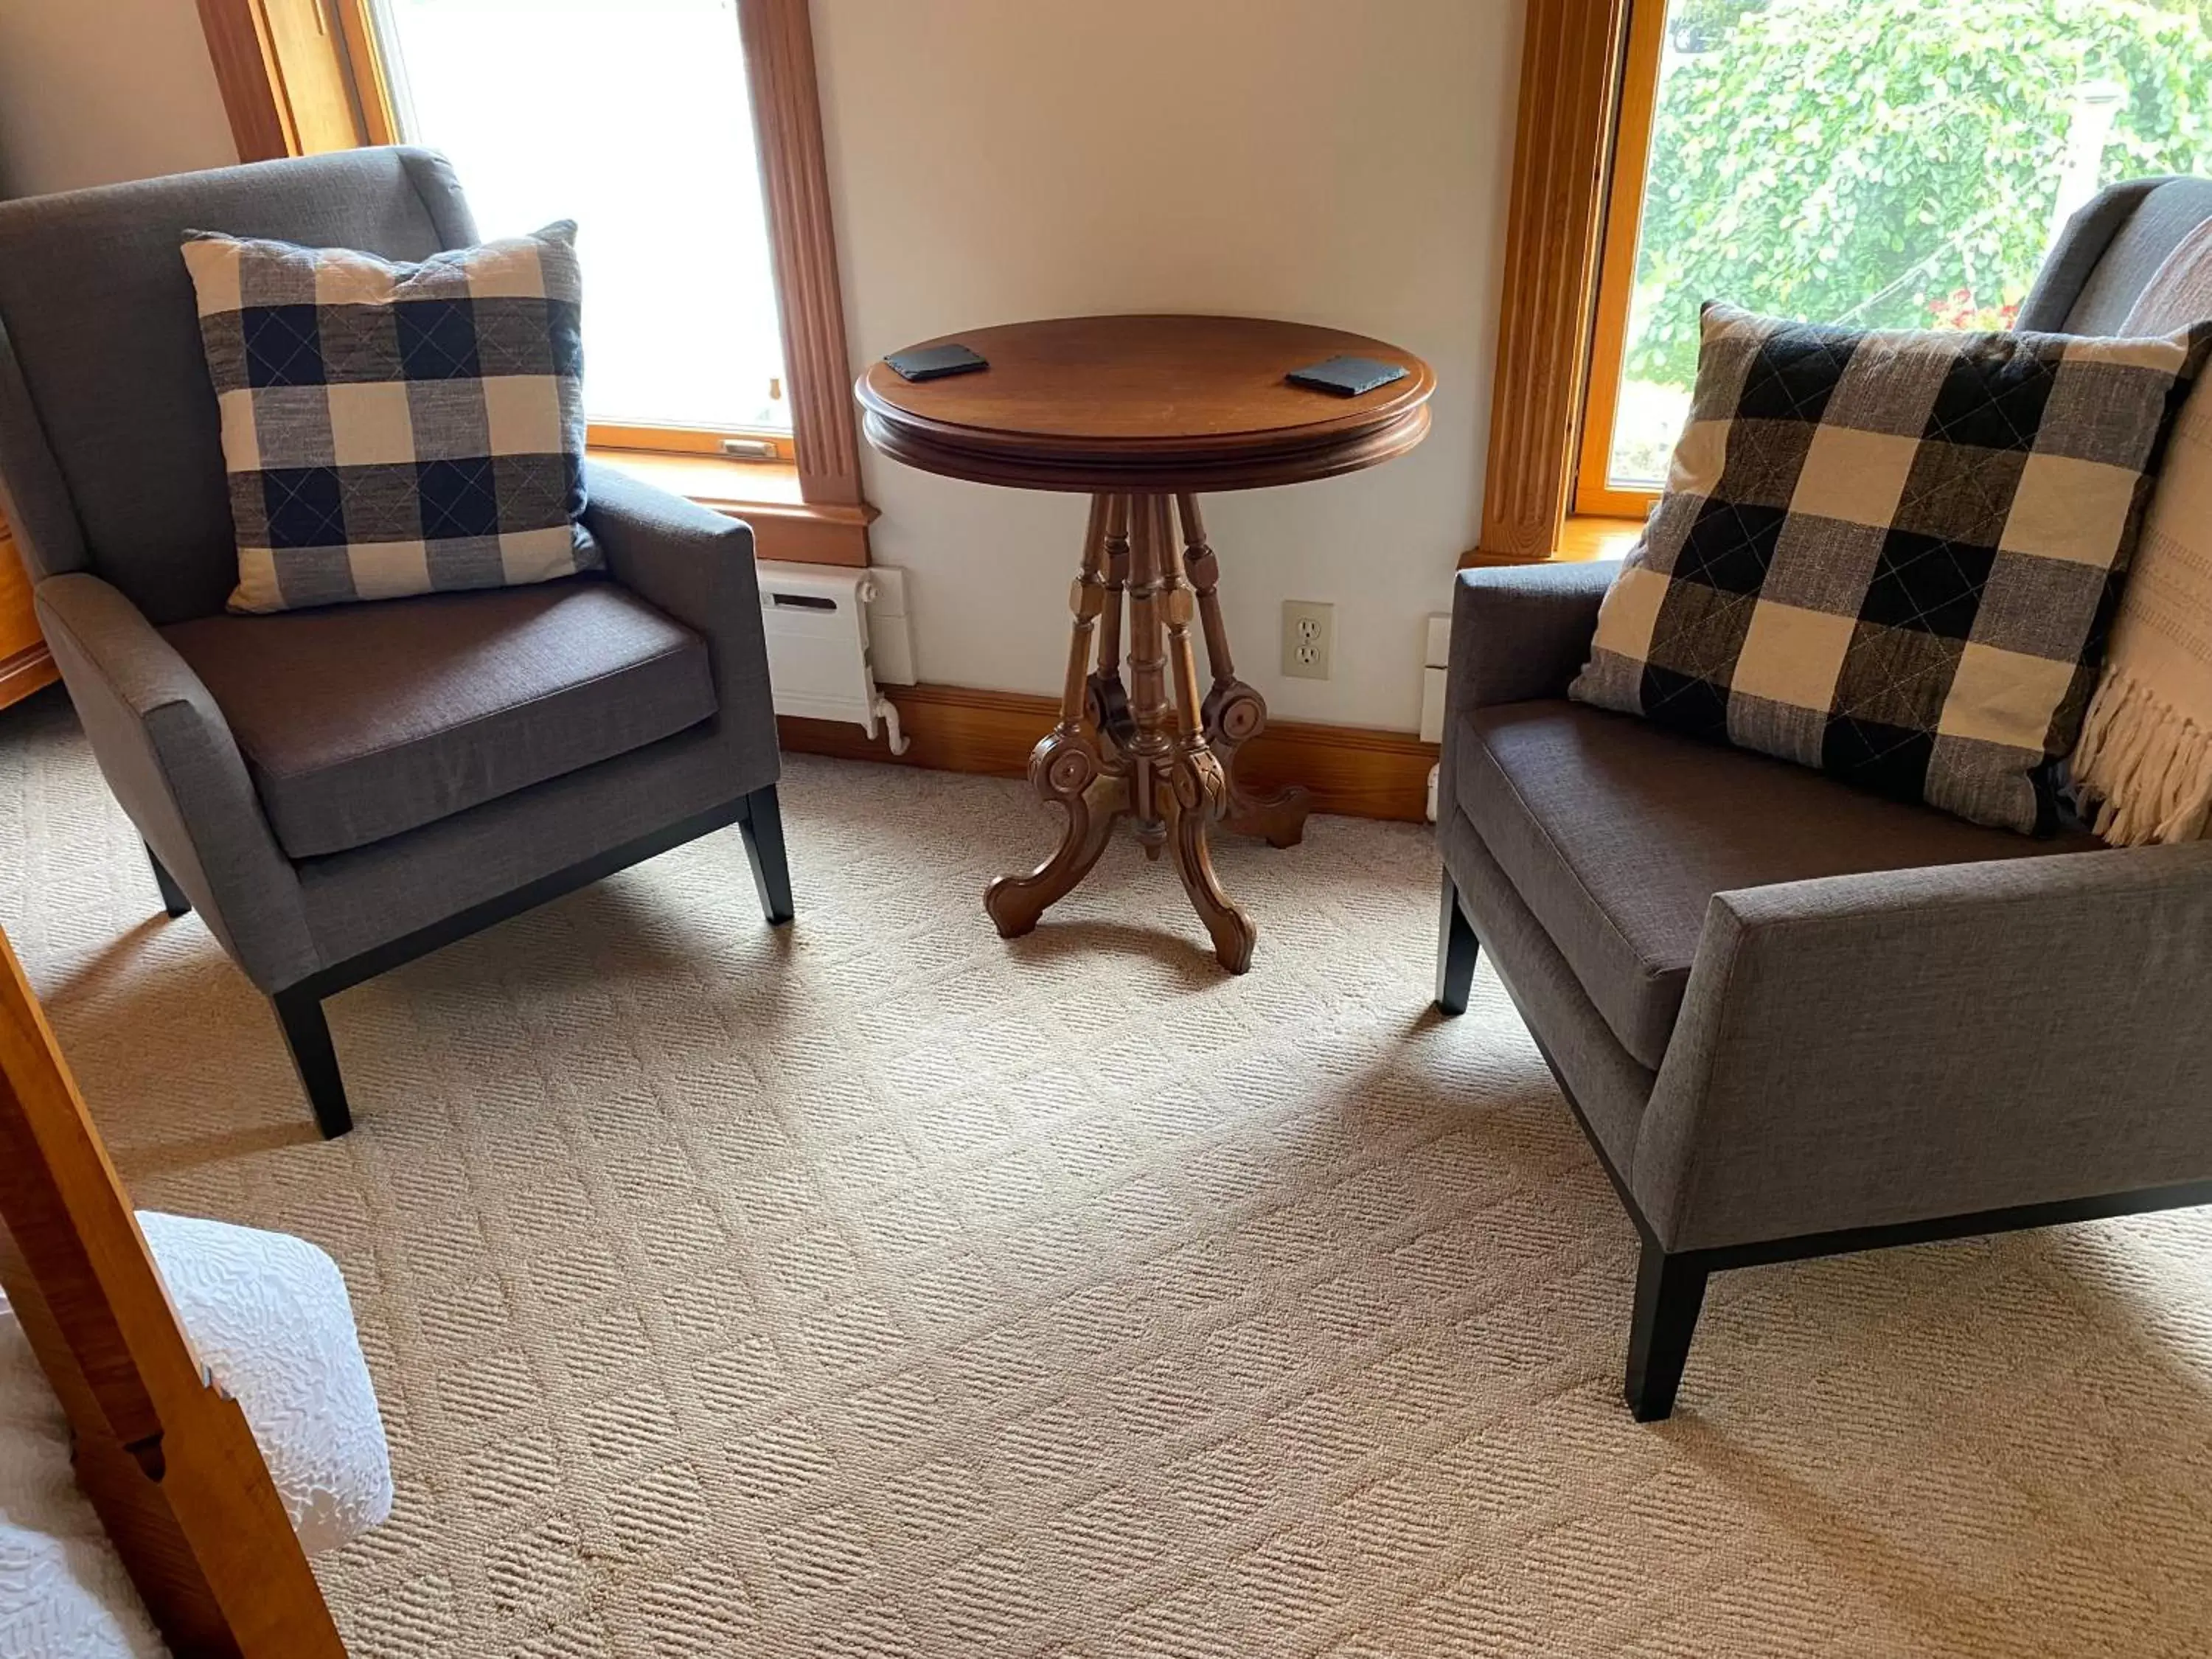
(270, 1316)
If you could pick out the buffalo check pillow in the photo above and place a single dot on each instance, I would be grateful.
(1893, 555)
(392, 430)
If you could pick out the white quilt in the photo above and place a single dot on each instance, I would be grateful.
(270, 1317)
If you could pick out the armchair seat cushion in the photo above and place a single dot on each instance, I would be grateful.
(1617, 834)
(360, 722)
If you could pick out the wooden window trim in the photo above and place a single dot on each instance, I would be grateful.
(301, 76)
(1594, 492)
(285, 73)
(710, 441)
(786, 526)
(1571, 70)
(786, 104)
(26, 664)
(364, 61)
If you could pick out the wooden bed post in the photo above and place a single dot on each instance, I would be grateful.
(166, 1456)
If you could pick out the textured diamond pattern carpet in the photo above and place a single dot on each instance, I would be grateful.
(884, 1289)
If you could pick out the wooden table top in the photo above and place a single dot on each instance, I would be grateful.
(1147, 404)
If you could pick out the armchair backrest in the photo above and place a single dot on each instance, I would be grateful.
(2099, 266)
(111, 454)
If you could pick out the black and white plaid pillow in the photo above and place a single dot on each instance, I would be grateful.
(1893, 555)
(391, 428)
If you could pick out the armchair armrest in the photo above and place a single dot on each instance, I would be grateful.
(1866, 1049)
(697, 566)
(1521, 632)
(167, 753)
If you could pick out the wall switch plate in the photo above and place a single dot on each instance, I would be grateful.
(1309, 639)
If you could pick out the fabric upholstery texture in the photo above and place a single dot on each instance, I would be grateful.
(269, 1317)
(359, 722)
(355, 901)
(1521, 634)
(169, 757)
(391, 429)
(2108, 250)
(696, 566)
(111, 445)
(1865, 1049)
(1609, 1087)
(1616, 835)
(1893, 555)
(1518, 634)
(2071, 259)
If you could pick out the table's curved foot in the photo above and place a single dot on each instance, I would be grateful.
(1278, 819)
(1196, 799)
(1065, 771)
(1235, 715)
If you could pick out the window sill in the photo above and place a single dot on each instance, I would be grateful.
(786, 527)
(1582, 537)
(1585, 536)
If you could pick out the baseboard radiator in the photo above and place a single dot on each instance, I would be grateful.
(816, 618)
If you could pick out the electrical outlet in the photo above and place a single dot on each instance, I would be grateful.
(1308, 638)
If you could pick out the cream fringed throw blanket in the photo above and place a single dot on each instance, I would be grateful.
(2145, 758)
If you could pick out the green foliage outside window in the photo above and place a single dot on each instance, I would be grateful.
(1701, 24)
(1891, 163)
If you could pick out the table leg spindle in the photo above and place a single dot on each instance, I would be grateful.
(1148, 751)
(1109, 698)
(1199, 790)
(1065, 768)
(1235, 714)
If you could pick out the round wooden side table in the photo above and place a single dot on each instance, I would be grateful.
(1143, 414)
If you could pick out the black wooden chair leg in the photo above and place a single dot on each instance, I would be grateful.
(308, 1034)
(1669, 1291)
(1457, 950)
(762, 829)
(172, 897)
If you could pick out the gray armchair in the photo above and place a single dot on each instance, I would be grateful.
(1795, 1019)
(339, 791)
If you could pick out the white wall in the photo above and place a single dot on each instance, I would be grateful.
(93, 92)
(1336, 161)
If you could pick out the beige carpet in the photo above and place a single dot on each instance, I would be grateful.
(885, 1289)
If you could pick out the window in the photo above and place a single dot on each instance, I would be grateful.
(1880, 163)
(630, 117)
(684, 137)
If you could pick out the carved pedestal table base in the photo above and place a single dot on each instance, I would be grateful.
(1160, 755)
